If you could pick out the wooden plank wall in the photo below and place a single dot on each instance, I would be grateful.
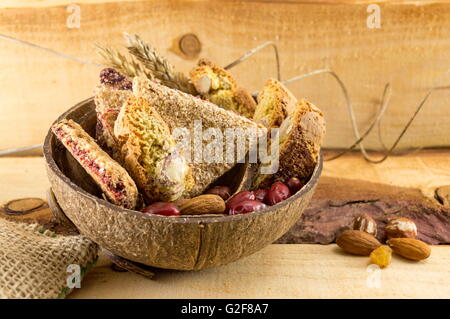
(410, 50)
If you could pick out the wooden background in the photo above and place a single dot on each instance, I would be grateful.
(410, 50)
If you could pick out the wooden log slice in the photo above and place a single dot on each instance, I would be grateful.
(27, 210)
(337, 201)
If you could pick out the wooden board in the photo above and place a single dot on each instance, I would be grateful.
(290, 271)
(410, 51)
(281, 271)
(22, 177)
(425, 170)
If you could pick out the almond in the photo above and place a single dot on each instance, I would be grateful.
(357, 242)
(203, 84)
(365, 223)
(410, 248)
(401, 228)
(203, 204)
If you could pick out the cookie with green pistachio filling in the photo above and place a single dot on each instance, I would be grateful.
(149, 152)
(216, 85)
(112, 178)
(181, 110)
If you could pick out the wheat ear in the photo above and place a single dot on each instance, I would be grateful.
(158, 65)
(118, 61)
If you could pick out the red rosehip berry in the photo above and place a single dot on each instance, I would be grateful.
(162, 208)
(239, 197)
(294, 184)
(246, 206)
(278, 192)
(261, 195)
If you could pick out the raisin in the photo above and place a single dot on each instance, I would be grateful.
(381, 256)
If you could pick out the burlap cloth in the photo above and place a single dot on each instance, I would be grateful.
(34, 261)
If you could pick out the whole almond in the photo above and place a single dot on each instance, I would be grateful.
(203, 204)
(365, 223)
(410, 248)
(401, 227)
(357, 242)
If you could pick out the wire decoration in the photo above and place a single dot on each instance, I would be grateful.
(376, 121)
(252, 52)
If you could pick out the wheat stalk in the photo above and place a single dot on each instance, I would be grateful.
(158, 65)
(118, 61)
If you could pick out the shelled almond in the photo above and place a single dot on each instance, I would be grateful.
(357, 242)
(410, 248)
(203, 204)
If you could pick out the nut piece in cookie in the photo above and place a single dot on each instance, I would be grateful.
(149, 152)
(109, 95)
(275, 102)
(112, 178)
(300, 139)
(218, 86)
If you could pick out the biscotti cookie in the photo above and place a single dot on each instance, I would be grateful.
(218, 86)
(112, 178)
(109, 95)
(275, 102)
(300, 139)
(149, 152)
(181, 110)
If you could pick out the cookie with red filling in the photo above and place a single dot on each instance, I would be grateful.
(112, 178)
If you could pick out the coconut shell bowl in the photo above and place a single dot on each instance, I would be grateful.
(180, 243)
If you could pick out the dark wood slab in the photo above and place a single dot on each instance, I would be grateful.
(337, 201)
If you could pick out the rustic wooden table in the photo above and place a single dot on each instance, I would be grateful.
(278, 271)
